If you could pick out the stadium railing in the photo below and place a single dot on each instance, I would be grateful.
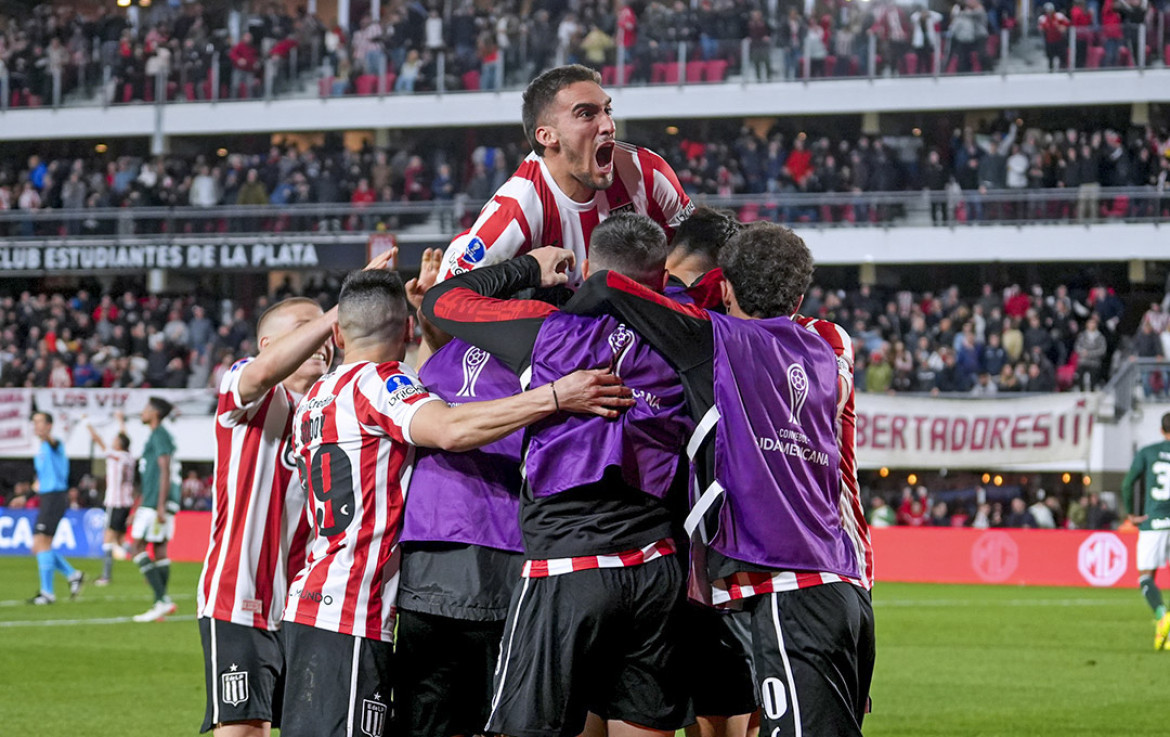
(299, 72)
(1137, 381)
(444, 218)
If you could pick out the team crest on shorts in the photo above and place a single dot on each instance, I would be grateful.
(234, 687)
(373, 717)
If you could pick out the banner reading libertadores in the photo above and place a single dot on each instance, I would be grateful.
(901, 431)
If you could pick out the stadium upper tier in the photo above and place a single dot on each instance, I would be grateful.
(172, 77)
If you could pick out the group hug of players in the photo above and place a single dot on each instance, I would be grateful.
(617, 497)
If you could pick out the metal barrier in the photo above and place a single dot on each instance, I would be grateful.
(444, 218)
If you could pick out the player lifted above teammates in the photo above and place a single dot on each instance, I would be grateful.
(353, 434)
(1152, 467)
(594, 625)
(259, 528)
(777, 388)
(576, 176)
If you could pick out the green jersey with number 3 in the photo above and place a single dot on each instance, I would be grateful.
(1152, 466)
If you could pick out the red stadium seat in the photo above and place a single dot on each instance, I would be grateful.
(1094, 57)
(189, 91)
(608, 75)
(34, 101)
(390, 79)
(366, 84)
(953, 65)
(658, 72)
(148, 91)
(1166, 55)
(993, 47)
(696, 70)
(749, 213)
(910, 64)
(976, 64)
(717, 70)
(1124, 57)
(471, 80)
(830, 65)
(127, 92)
(325, 86)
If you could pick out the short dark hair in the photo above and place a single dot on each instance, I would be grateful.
(1166, 423)
(48, 417)
(630, 244)
(280, 307)
(769, 267)
(124, 440)
(162, 406)
(543, 90)
(705, 233)
(371, 303)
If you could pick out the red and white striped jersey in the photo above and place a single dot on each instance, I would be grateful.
(119, 479)
(530, 211)
(352, 439)
(259, 529)
(624, 559)
(852, 510)
(744, 584)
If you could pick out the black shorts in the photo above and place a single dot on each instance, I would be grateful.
(52, 509)
(116, 519)
(814, 654)
(336, 685)
(243, 669)
(602, 640)
(449, 665)
(719, 658)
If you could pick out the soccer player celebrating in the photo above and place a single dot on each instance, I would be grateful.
(791, 542)
(594, 625)
(1152, 466)
(461, 550)
(119, 493)
(52, 467)
(154, 520)
(576, 176)
(353, 433)
(259, 528)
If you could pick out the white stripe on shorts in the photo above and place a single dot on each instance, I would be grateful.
(506, 653)
(353, 677)
(214, 677)
(787, 666)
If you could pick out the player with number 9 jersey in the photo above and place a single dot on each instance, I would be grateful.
(351, 435)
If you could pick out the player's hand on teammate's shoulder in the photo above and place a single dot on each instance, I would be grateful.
(555, 264)
(593, 391)
(428, 274)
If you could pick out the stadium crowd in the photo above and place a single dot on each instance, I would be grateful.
(1009, 340)
(973, 507)
(484, 46)
(973, 176)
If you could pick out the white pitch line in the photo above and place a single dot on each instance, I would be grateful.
(73, 622)
(140, 597)
(991, 602)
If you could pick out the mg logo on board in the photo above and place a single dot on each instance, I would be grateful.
(995, 557)
(1102, 559)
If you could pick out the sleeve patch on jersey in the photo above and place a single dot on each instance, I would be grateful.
(239, 364)
(403, 389)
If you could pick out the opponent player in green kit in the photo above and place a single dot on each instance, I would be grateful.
(1152, 466)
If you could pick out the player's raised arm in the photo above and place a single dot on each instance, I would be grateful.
(97, 439)
(475, 424)
(284, 346)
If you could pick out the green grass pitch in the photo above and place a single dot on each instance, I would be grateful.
(952, 660)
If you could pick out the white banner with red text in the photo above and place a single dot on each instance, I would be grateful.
(931, 432)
